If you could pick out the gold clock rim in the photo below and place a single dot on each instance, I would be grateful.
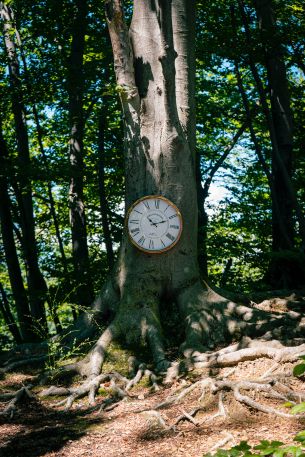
(159, 251)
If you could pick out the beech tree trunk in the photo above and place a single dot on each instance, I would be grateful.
(155, 71)
(282, 122)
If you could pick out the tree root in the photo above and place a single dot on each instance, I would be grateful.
(270, 389)
(16, 398)
(117, 385)
(228, 437)
(255, 349)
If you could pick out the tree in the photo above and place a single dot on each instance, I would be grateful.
(19, 293)
(36, 282)
(75, 87)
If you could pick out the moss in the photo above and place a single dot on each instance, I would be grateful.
(117, 359)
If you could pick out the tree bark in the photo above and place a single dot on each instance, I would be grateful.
(75, 87)
(158, 110)
(36, 283)
(282, 120)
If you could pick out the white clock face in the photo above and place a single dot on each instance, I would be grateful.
(154, 224)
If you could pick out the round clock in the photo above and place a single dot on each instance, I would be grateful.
(154, 224)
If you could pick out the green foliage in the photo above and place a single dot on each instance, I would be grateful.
(299, 369)
(275, 448)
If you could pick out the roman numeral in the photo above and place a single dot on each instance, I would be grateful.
(170, 236)
(157, 204)
(141, 240)
(166, 208)
(134, 221)
(162, 243)
(145, 203)
(137, 211)
(151, 244)
(174, 215)
(174, 226)
(135, 231)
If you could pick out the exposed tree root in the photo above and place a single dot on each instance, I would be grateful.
(255, 349)
(15, 398)
(271, 389)
(117, 385)
(228, 437)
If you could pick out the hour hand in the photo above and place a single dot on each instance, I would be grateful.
(152, 222)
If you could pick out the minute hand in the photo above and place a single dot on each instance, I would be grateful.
(161, 222)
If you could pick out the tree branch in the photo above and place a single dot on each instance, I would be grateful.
(122, 52)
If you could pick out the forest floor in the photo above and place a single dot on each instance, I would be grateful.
(39, 427)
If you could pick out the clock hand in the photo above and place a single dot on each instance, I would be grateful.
(152, 222)
(161, 222)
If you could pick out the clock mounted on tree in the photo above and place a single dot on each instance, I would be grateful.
(154, 224)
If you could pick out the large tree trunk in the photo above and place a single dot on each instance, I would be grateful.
(160, 158)
(36, 283)
(75, 85)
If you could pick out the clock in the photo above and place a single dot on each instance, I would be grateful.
(154, 224)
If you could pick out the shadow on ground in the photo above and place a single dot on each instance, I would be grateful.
(37, 430)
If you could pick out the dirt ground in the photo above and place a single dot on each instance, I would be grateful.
(40, 428)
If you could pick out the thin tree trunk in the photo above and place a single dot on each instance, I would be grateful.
(51, 201)
(286, 198)
(75, 86)
(258, 149)
(281, 117)
(102, 190)
(8, 317)
(203, 193)
(11, 256)
(36, 284)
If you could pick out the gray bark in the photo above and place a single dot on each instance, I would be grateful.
(158, 110)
